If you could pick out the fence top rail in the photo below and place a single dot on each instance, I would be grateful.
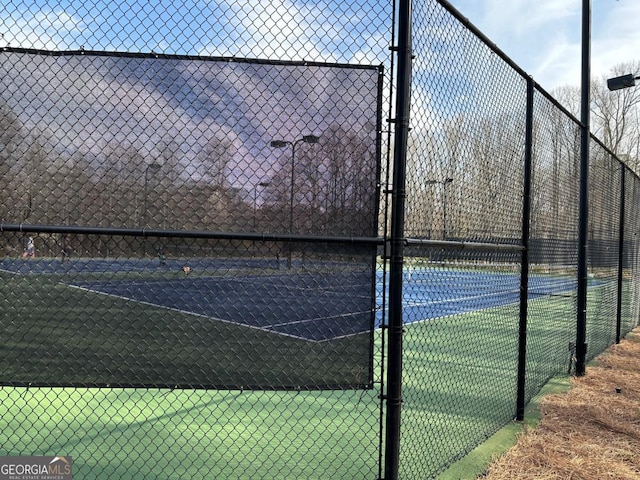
(148, 232)
(453, 244)
(171, 56)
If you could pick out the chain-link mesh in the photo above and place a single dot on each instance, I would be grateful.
(194, 203)
(177, 143)
(603, 241)
(189, 208)
(464, 186)
(553, 243)
(466, 172)
(630, 301)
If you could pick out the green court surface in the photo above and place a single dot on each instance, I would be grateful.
(58, 333)
(458, 388)
(129, 433)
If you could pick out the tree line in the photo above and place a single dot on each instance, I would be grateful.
(465, 175)
(334, 185)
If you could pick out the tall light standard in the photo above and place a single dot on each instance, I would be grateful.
(255, 201)
(618, 83)
(444, 184)
(282, 144)
(583, 217)
(153, 168)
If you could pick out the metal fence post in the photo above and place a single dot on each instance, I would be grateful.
(394, 372)
(524, 272)
(581, 321)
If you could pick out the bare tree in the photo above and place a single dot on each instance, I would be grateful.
(495, 182)
(556, 164)
(214, 160)
(616, 115)
(11, 149)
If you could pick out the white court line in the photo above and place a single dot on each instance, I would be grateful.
(187, 312)
(461, 299)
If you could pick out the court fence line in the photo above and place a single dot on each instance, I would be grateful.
(239, 242)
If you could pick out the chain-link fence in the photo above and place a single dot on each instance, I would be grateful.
(493, 172)
(197, 222)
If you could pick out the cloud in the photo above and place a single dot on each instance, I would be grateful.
(522, 17)
(559, 64)
(46, 29)
(270, 29)
(545, 37)
(616, 37)
(537, 35)
(326, 31)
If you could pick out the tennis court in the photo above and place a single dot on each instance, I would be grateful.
(447, 292)
(314, 304)
(312, 307)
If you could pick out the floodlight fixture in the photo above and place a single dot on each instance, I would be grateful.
(624, 81)
(444, 181)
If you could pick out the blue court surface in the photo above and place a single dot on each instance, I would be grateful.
(314, 307)
(305, 305)
(436, 293)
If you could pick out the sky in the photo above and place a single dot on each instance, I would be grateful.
(541, 36)
(321, 30)
(269, 29)
(544, 36)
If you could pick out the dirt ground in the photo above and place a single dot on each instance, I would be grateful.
(592, 432)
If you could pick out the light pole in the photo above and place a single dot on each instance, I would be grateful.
(583, 216)
(444, 184)
(618, 83)
(255, 202)
(282, 144)
(153, 168)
